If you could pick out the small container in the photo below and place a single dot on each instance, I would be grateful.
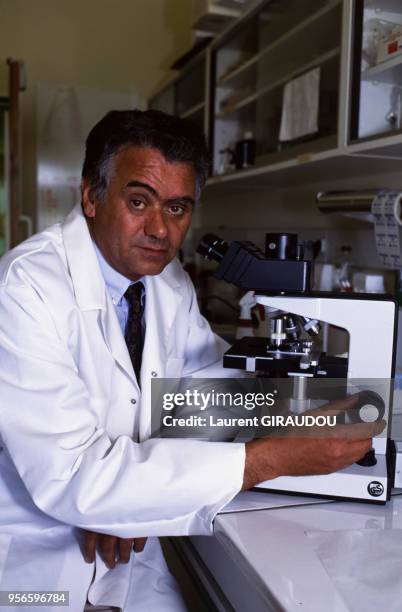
(244, 154)
(344, 280)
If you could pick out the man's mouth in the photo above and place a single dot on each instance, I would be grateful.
(154, 250)
(154, 253)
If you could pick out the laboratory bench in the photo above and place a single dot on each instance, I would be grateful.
(321, 556)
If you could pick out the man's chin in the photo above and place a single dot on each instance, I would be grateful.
(151, 268)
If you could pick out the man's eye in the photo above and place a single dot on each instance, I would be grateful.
(177, 211)
(137, 204)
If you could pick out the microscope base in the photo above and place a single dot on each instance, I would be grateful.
(370, 484)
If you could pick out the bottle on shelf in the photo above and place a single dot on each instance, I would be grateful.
(344, 272)
(244, 153)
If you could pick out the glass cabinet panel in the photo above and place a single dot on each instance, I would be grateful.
(185, 96)
(377, 69)
(190, 88)
(276, 79)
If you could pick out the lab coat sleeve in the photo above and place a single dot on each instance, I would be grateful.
(71, 468)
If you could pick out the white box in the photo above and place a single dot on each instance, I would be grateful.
(390, 47)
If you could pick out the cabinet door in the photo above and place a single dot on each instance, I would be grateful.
(185, 96)
(277, 78)
(377, 70)
(190, 93)
(190, 88)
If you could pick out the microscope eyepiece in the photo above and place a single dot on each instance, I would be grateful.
(243, 264)
(212, 247)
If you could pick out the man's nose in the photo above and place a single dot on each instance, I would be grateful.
(155, 225)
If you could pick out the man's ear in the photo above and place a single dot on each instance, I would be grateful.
(88, 204)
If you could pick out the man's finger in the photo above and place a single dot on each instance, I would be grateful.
(351, 431)
(352, 451)
(108, 549)
(337, 406)
(139, 544)
(125, 548)
(358, 449)
(90, 546)
(355, 431)
(360, 431)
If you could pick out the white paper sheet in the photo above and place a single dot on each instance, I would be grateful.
(300, 106)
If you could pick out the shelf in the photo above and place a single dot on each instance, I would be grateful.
(219, 9)
(304, 169)
(192, 111)
(235, 107)
(389, 6)
(385, 146)
(299, 28)
(279, 82)
(213, 19)
(237, 71)
(386, 72)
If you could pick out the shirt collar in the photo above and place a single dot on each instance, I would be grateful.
(116, 283)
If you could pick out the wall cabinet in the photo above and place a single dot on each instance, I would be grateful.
(376, 106)
(285, 54)
(185, 95)
(308, 81)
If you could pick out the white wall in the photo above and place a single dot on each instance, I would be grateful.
(105, 44)
(247, 212)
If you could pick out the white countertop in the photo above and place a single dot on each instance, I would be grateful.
(332, 557)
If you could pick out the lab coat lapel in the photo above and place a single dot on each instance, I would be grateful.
(115, 339)
(162, 302)
(89, 286)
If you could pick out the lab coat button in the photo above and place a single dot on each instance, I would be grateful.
(133, 400)
(154, 374)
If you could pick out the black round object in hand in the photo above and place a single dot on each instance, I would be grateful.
(281, 246)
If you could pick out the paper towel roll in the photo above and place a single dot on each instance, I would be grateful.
(387, 211)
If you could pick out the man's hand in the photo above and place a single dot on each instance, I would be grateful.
(312, 452)
(111, 548)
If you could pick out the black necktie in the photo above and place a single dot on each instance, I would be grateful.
(133, 333)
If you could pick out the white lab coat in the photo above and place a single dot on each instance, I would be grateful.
(71, 415)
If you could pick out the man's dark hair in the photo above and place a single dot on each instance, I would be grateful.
(177, 139)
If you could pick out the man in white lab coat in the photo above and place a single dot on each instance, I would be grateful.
(76, 457)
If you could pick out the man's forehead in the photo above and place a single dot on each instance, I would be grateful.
(150, 158)
(147, 166)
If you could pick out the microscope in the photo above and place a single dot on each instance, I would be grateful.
(281, 280)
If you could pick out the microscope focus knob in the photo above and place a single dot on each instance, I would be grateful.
(370, 408)
(368, 460)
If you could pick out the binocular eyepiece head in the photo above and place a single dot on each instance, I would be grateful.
(277, 246)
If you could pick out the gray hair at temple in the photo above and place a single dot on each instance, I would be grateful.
(177, 139)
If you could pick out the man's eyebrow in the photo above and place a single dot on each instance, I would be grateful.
(144, 186)
(151, 190)
(181, 200)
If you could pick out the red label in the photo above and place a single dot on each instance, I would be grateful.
(393, 46)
